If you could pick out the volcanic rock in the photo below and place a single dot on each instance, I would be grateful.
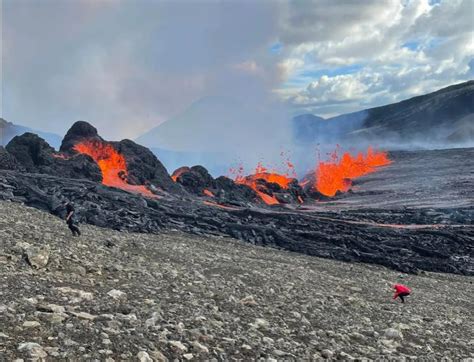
(143, 166)
(37, 156)
(31, 151)
(31, 324)
(195, 179)
(392, 333)
(116, 294)
(231, 192)
(345, 236)
(406, 239)
(32, 350)
(143, 356)
(37, 257)
(79, 131)
(8, 161)
(292, 195)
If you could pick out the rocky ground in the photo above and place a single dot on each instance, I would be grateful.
(112, 295)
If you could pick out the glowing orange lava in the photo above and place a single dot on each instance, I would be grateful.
(179, 172)
(215, 204)
(336, 174)
(208, 193)
(262, 173)
(112, 165)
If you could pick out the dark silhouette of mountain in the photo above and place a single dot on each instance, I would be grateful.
(441, 117)
(8, 130)
(209, 118)
(307, 127)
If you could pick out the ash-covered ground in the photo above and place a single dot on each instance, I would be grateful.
(114, 296)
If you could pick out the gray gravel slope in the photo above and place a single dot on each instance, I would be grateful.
(122, 296)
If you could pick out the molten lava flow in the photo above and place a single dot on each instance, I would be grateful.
(178, 172)
(336, 174)
(261, 173)
(112, 165)
(208, 193)
(215, 204)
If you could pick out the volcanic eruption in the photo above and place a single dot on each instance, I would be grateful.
(337, 174)
(328, 177)
(254, 181)
(112, 165)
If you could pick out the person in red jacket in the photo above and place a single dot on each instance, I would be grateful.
(401, 291)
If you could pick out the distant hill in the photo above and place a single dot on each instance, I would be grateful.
(9, 130)
(441, 117)
(198, 128)
(219, 132)
(307, 127)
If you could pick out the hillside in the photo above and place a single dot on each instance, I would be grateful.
(440, 118)
(8, 130)
(205, 123)
(158, 297)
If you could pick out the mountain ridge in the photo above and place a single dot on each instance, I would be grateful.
(431, 117)
(9, 130)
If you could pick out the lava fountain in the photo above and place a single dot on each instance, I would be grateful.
(328, 178)
(337, 174)
(112, 165)
(262, 173)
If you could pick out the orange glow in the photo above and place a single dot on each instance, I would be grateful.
(112, 165)
(179, 172)
(208, 193)
(336, 174)
(262, 173)
(215, 204)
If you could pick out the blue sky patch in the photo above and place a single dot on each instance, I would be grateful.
(350, 69)
(412, 45)
(276, 48)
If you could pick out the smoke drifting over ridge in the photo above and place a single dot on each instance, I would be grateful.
(221, 131)
(127, 67)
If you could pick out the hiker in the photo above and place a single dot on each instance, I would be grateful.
(401, 291)
(70, 216)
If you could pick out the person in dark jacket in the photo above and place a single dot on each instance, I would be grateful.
(70, 219)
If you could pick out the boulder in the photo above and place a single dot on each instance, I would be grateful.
(144, 167)
(35, 155)
(229, 191)
(195, 179)
(37, 257)
(8, 161)
(32, 350)
(79, 131)
(31, 151)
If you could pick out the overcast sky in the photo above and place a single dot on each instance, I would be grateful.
(128, 65)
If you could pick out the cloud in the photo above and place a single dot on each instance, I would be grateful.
(127, 66)
(407, 49)
(333, 89)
